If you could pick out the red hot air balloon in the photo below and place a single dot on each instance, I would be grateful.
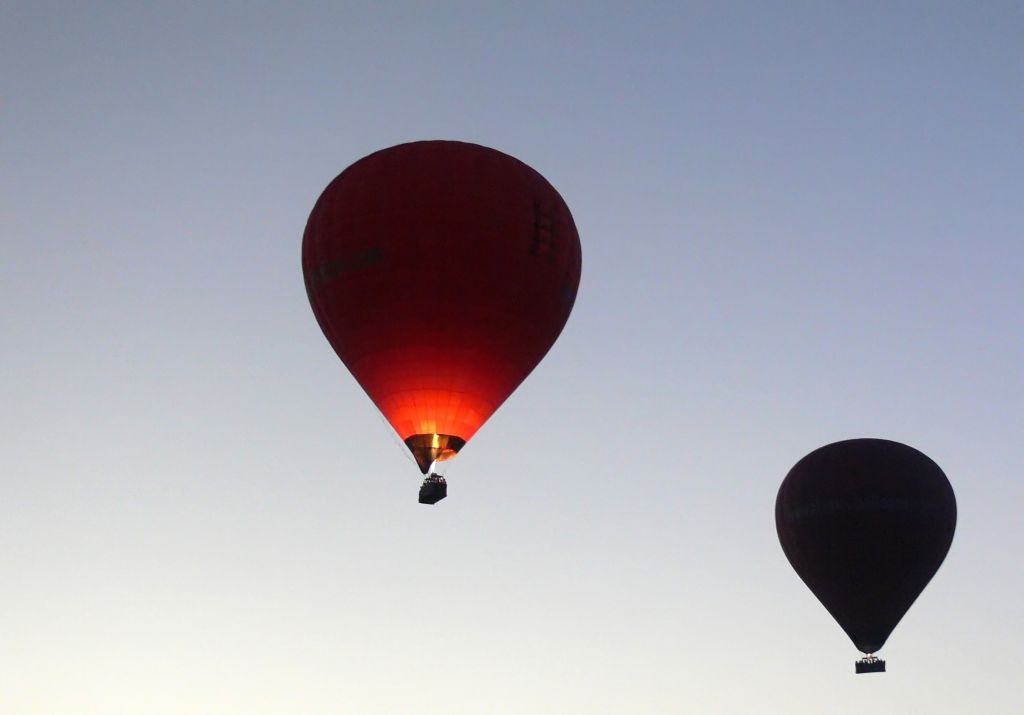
(866, 523)
(441, 273)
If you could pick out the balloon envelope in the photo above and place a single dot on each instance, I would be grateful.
(441, 273)
(866, 523)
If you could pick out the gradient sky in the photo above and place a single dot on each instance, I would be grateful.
(800, 224)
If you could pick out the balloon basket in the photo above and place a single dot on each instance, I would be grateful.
(433, 489)
(870, 664)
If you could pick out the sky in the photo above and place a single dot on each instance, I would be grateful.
(800, 223)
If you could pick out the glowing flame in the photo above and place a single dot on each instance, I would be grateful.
(444, 452)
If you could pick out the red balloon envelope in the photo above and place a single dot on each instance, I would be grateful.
(866, 523)
(441, 273)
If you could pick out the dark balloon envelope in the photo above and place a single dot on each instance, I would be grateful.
(441, 273)
(866, 523)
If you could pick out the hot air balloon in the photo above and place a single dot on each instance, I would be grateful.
(866, 523)
(441, 273)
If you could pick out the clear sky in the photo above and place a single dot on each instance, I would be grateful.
(800, 223)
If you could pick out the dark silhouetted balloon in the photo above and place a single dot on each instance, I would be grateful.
(866, 523)
(441, 273)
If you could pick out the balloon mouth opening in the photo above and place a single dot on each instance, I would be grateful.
(431, 449)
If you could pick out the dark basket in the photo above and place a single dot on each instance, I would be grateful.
(433, 490)
(870, 665)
